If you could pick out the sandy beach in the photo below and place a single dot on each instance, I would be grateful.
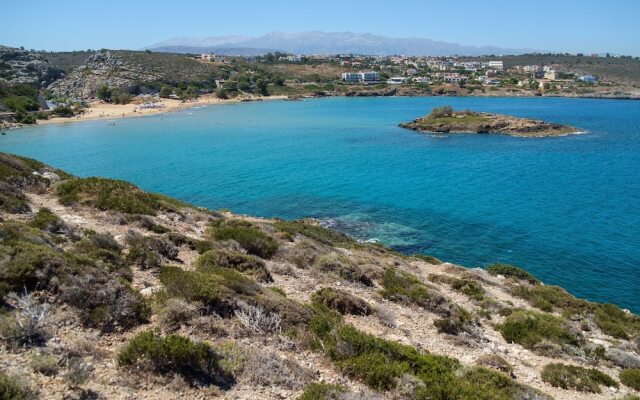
(102, 110)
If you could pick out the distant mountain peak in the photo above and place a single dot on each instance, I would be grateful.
(319, 42)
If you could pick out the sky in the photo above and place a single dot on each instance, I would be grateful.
(586, 26)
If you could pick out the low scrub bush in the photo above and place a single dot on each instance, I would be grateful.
(201, 246)
(110, 194)
(176, 312)
(49, 222)
(45, 364)
(12, 388)
(612, 320)
(457, 322)
(257, 320)
(509, 271)
(469, 287)
(341, 301)
(407, 289)
(576, 378)
(381, 363)
(149, 252)
(249, 236)
(440, 112)
(315, 232)
(496, 362)
(529, 328)
(426, 258)
(322, 391)
(631, 378)
(28, 325)
(268, 369)
(195, 361)
(247, 264)
(344, 268)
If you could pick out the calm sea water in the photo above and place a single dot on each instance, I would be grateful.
(567, 209)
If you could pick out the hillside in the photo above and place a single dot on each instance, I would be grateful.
(618, 69)
(111, 292)
(129, 70)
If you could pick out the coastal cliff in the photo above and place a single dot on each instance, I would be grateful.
(112, 292)
(446, 120)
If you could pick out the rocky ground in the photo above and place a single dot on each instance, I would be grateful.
(280, 272)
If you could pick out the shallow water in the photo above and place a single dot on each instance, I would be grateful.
(566, 209)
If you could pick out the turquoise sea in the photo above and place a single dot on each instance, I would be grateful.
(567, 209)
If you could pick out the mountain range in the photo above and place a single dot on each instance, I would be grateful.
(316, 42)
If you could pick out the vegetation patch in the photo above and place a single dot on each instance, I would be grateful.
(380, 363)
(247, 264)
(344, 268)
(12, 388)
(322, 391)
(631, 377)
(195, 361)
(249, 236)
(407, 289)
(316, 232)
(576, 378)
(111, 194)
(221, 290)
(509, 271)
(149, 252)
(427, 258)
(529, 328)
(611, 319)
(341, 301)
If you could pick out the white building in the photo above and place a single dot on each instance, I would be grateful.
(361, 77)
(422, 79)
(497, 65)
(396, 80)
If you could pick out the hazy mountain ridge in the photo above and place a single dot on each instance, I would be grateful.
(316, 42)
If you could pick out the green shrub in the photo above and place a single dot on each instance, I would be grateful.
(109, 194)
(611, 319)
(149, 252)
(11, 388)
(201, 246)
(631, 377)
(510, 271)
(529, 328)
(457, 322)
(197, 362)
(576, 378)
(341, 301)
(322, 391)
(322, 235)
(407, 289)
(469, 287)
(440, 112)
(247, 264)
(250, 237)
(426, 258)
(379, 363)
(344, 268)
(45, 364)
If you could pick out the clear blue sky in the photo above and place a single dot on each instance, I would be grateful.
(572, 26)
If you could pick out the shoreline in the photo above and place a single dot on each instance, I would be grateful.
(99, 110)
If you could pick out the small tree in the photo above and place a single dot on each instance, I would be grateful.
(263, 87)
(440, 112)
(165, 91)
(222, 94)
(104, 93)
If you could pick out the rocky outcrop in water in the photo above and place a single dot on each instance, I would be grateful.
(445, 120)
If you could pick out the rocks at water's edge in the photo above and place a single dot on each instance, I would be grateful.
(445, 120)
